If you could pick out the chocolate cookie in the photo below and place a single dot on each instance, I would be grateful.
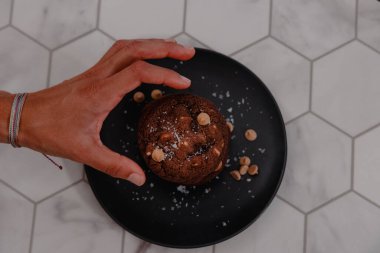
(183, 138)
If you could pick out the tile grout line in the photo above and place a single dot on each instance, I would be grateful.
(356, 18)
(352, 162)
(3, 27)
(195, 39)
(366, 199)
(29, 37)
(270, 17)
(11, 12)
(32, 228)
(248, 45)
(334, 49)
(297, 117)
(98, 14)
(305, 233)
(49, 70)
(74, 39)
(17, 191)
(311, 85)
(290, 204)
(184, 16)
(106, 34)
(331, 124)
(59, 191)
(290, 48)
(369, 46)
(328, 202)
(367, 130)
(122, 240)
(213, 248)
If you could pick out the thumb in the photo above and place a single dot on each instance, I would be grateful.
(116, 165)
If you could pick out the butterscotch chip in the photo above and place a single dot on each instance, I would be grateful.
(216, 151)
(219, 166)
(203, 119)
(138, 97)
(250, 135)
(158, 155)
(230, 126)
(243, 170)
(236, 175)
(156, 94)
(253, 170)
(244, 160)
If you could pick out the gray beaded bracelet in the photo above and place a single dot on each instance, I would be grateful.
(14, 119)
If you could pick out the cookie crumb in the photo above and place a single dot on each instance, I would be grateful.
(158, 155)
(250, 135)
(253, 170)
(156, 94)
(138, 97)
(203, 119)
(244, 160)
(243, 170)
(236, 175)
(230, 126)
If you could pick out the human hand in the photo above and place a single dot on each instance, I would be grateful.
(65, 120)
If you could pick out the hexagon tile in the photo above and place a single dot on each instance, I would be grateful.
(56, 226)
(369, 22)
(313, 27)
(291, 83)
(367, 165)
(18, 53)
(15, 221)
(348, 225)
(78, 56)
(186, 40)
(346, 88)
(142, 18)
(5, 10)
(279, 218)
(318, 167)
(227, 25)
(40, 180)
(53, 22)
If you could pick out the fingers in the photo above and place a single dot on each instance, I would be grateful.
(116, 165)
(142, 72)
(125, 52)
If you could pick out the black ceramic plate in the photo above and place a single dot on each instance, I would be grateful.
(187, 217)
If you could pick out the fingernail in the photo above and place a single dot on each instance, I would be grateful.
(171, 40)
(135, 178)
(187, 80)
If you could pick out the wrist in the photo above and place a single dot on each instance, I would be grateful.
(6, 100)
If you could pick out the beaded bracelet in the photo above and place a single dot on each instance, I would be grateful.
(14, 122)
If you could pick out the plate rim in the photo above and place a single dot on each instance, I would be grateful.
(200, 245)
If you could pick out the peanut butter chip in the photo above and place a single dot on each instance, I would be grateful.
(219, 166)
(203, 119)
(138, 97)
(158, 155)
(156, 94)
(243, 170)
(216, 151)
(253, 170)
(230, 126)
(250, 135)
(244, 160)
(236, 175)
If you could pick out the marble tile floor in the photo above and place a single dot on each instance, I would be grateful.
(320, 59)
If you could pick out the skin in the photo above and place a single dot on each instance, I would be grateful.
(65, 120)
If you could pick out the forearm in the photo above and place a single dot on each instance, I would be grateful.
(5, 109)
